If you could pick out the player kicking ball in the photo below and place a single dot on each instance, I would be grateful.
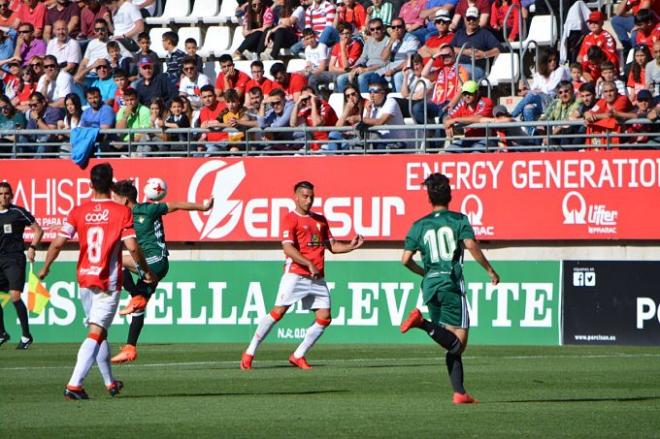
(102, 225)
(148, 218)
(305, 236)
(440, 238)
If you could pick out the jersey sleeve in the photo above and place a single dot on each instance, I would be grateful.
(158, 209)
(68, 229)
(289, 230)
(328, 238)
(27, 217)
(127, 230)
(411, 242)
(465, 230)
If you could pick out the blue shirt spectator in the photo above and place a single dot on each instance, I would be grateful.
(6, 49)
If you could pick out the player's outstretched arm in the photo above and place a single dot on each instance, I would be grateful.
(410, 264)
(53, 252)
(345, 247)
(291, 252)
(173, 206)
(137, 255)
(478, 255)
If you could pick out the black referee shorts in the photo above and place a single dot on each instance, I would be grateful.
(12, 272)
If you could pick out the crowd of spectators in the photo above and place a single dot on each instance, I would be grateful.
(67, 64)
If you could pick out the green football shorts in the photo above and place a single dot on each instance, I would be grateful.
(448, 307)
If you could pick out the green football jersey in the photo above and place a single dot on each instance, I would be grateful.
(148, 224)
(439, 238)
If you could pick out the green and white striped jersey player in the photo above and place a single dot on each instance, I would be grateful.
(440, 237)
(148, 225)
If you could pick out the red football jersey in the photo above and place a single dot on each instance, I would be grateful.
(309, 234)
(101, 226)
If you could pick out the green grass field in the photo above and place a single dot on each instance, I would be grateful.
(352, 391)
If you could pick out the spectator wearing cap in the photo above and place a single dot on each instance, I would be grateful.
(560, 109)
(92, 11)
(642, 109)
(498, 14)
(104, 81)
(192, 82)
(64, 10)
(230, 77)
(8, 18)
(652, 71)
(54, 84)
(381, 109)
(648, 28)
(128, 22)
(27, 45)
(460, 11)
(259, 80)
(64, 48)
(410, 13)
(342, 57)
(598, 37)
(399, 48)
(433, 10)
(291, 83)
(441, 37)
(479, 44)
(624, 20)
(370, 65)
(153, 85)
(471, 108)
(378, 9)
(33, 12)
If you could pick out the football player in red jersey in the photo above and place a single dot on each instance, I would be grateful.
(102, 225)
(305, 237)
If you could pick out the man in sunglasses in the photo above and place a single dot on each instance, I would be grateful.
(383, 110)
(479, 43)
(471, 109)
(40, 117)
(191, 82)
(400, 47)
(442, 35)
(33, 12)
(93, 10)
(54, 84)
(27, 46)
(370, 66)
(96, 49)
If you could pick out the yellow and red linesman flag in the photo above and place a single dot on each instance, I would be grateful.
(38, 295)
(4, 298)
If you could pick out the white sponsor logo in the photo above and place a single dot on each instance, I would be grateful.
(227, 179)
(576, 211)
(584, 277)
(473, 208)
(97, 217)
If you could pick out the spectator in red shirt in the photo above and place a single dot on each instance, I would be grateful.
(312, 111)
(605, 115)
(230, 77)
(351, 12)
(259, 80)
(33, 12)
(598, 37)
(434, 42)
(8, 17)
(470, 109)
(648, 30)
(498, 11)
(291, 83)
(342, 57)
(591, 66)
(636, 80)
(208, 118)
(624, 20)
(93, 11)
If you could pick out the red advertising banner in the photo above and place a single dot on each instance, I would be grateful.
(516, 196)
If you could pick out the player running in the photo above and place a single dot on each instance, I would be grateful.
(440, 237)
(151, 238)
(305, 236)
(101, 225)
(13, 220)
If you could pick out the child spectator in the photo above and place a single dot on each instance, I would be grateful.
(191, 50)
(598, 37)
(607, 74)
(591, 66)
(177, 118)
(232, 117)
(117, 61)
(576, 76)
(174, 57)
(144, 43)
(316, 54)
(121, 81)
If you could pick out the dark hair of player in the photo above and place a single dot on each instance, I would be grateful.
(8, 186)
(101, 177)
(303, 185)
(438, 189)
(126, 188)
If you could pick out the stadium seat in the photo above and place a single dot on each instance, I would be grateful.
(156, 35)
(189, 32)
(336, 101)
(201, 9)
(542, 30)
(211, 69)
(267, 65)
(296, 65)
(226, 14)
(243, 66)
(173, 9)
(216, 42)
(235, 41)
(502, 70)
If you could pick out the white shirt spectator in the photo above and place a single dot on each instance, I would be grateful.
(57, 89)
(191, 89)
(97, 49)
(549, 85)
(151, 9)
(125, 18)
(314, 55)
(68, 52)
(299, 14)
(391, 107)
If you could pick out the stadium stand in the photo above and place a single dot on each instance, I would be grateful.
(200, 10)
(216, 42)
(173, 10)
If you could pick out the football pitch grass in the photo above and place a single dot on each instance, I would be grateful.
(352, 391)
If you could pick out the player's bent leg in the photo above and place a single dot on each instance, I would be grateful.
(314, 332)
(454, 362)
(265, 325)
(22, 313)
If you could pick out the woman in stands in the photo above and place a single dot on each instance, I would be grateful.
(289, 19)
(543, 87)
(256, 21)
(350, 116)
(637, 73)
(27, 85)
(73, 109)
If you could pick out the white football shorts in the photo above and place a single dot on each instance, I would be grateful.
(313, 293)
(100, 306)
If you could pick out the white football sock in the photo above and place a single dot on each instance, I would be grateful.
(264, 327)
(86, 358)
(103, 361)
(313, 334)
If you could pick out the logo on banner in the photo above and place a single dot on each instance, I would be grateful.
(226, 213)
(473, 208)
(584, 277)
(599, 219)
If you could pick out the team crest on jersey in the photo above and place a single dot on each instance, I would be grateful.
(285, 234)
(140, 219)
(315, 240)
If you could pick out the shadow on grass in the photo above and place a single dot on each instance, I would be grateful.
(216, 394)
(612, 399)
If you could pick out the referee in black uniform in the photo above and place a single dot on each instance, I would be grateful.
(13, 220)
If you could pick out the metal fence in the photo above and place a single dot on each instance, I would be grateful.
(510, 137)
